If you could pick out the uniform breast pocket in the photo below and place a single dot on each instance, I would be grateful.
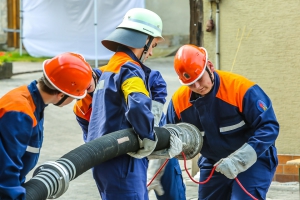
(232, 124)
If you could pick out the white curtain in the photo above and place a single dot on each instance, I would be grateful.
(51, 27)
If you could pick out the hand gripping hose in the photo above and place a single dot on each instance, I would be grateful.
(51, 179)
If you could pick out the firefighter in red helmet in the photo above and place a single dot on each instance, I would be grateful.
(65, 77)
(238, 121)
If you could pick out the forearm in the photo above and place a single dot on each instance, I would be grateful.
(260, 115)
(140, 116)
(10, 186)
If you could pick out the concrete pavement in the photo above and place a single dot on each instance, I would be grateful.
(62, 134)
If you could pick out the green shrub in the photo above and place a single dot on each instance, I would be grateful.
(14, 56)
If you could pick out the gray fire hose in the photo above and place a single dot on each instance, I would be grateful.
(51, 179)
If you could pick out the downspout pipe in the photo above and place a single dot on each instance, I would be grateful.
(21, 27)
(217, 37)
(96, 32)
(51, 179)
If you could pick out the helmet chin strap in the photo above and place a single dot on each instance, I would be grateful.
(210, 75)
(61, 100)
(146, 48)
(95, 77)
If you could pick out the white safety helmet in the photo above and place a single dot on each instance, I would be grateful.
(137, 25)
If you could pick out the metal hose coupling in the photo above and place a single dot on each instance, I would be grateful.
(55, 178)
(190, 136)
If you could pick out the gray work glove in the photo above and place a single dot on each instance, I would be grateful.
(147, 146)
(174, 150)
(157, 110)
(153, 167)
(237, 162)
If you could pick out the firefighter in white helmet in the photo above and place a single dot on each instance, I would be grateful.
(122, 100)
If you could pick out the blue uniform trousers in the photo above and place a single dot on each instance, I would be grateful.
(122, 177)
(172, 182)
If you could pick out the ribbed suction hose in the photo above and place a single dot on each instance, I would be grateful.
(51, 179)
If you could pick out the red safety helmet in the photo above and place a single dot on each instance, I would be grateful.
(190, 63)
(69, 73)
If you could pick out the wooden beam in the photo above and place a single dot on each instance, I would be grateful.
(196, 21)
(196, 38)
(13, 23)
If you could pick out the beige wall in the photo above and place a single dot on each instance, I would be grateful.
(260, 40)
(175, 15)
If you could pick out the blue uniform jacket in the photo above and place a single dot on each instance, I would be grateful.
(235, 112)
(83, 107)
(21, 137)
(122, 98)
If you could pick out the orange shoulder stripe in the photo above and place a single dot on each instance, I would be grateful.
(18, 100)
(102, 68)
(115, 63)
(233, 89)
(181, 100)
(82, 108)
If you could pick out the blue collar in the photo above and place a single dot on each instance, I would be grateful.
(133, 56)
(126, 50)
(36, 96)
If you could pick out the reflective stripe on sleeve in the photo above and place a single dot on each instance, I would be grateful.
(32, 149)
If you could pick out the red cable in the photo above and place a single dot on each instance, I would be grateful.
(203, 182)
(210, 175)
(237, 180)
(162, 166)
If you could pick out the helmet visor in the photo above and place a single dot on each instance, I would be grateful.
(127, 37)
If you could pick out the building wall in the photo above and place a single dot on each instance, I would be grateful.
(260, 40)
(287, 172)
(175, 15)
(3, 21)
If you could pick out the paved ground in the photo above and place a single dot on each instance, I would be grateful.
(63, 134)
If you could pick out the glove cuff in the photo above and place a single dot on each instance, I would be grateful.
(157, 110)
(174, 150)
(147, 147)
(245, 157)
